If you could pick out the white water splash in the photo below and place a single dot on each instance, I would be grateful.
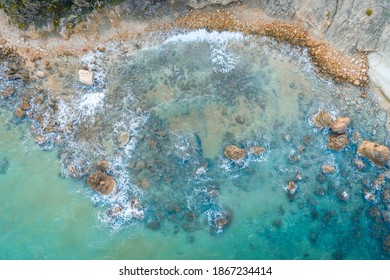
(222, 59)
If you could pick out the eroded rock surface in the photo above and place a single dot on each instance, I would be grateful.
(101, 183)
(234, 153)
(377, 154)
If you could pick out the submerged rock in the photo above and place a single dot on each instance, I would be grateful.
(386, 195)
(25, 105)
(101, 183)
(144, 183)
(377, 154)
(291, 188)
(257, 150)
(369, 196)
(340, 125)
(86, 77)
(386, 243)
(153, 225)
(342, 195)
(4, 165)
(326, 168)
(223, 221)
(6, 93)
(359, 164)
(123, 139)
(378, 182)
(140, 165)
(102, 165)
(322, 120)
(234, 153)
(338, 141)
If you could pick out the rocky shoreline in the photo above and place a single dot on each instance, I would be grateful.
(29, 63)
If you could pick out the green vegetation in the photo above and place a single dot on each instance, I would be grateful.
(31, 12)
(369, 12)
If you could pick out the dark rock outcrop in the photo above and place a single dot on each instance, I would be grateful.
(101, 183)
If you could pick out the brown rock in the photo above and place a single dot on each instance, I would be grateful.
(359, 164)
(378, 182)
(25, 105)
(102, 165)
(144, 183)
(322, 119)
(369, 196)
(40, 139)
(161, 133)
(234, 153)
(223, 221)
(101, 49)
(257, 150)
(140, 165)
(123, 139)
(377, 154)
(291, 187)
(101, 183)
(340, 125)
(7, 92)
(338, 141)
(327, 169)
(19, 112)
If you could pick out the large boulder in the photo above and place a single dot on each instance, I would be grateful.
(340, 125)
(338, 141)
(234, 153)
(377, 154)
(101, 183)
(322, 120)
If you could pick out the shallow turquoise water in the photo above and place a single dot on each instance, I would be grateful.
(204, 92)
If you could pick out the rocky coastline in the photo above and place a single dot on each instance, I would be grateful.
(28, 55)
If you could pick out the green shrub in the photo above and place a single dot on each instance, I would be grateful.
(368, 12)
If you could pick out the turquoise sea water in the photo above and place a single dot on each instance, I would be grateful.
(183, 99)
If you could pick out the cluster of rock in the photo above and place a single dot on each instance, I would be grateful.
(339, 139)
(101, 182)
(237, 154)
(376, 153)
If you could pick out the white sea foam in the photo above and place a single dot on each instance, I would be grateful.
(90, 102)
(223, 59)
(202, 35)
